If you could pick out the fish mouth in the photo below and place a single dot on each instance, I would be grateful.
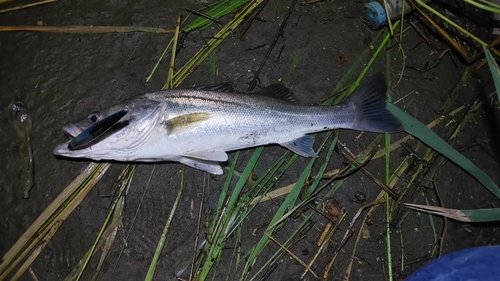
(72, 131)
(62, 149)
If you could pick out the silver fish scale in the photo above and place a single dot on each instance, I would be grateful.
(244, 114)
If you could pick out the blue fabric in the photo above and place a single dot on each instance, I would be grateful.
(481, 263)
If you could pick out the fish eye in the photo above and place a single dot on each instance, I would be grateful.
(93, 118)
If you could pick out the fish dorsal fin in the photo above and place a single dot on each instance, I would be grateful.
(278, 91)
(303, 146)
(184, 121)
(221, 87)
(216, 155)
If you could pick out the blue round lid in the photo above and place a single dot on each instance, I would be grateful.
(374, 14)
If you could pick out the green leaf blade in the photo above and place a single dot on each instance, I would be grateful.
(427, 136)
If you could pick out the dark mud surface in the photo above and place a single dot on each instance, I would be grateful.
(64, 77)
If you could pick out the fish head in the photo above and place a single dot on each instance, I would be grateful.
(122, 141)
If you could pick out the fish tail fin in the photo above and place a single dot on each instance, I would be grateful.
(370, 103)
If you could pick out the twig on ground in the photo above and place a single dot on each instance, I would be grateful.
(197, 236)
(253, 83)
(445, 219)
(86, 29)
(24, 6)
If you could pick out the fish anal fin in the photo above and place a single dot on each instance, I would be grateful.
(303, 146)
(207, 166)
(180, 122)
(210, 155)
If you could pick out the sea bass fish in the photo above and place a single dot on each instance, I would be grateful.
(197, 127)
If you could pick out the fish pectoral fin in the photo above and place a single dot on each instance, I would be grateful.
(207, 166)
(210, 155)
(303, 146)
(184, 121)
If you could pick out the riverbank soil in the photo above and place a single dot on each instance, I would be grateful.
(63, 77)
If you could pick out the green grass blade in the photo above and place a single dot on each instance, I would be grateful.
(495, 72)
(486, 5)
(263, 185)
(483, 215)
(427, 136)
(166, 228)
(278, 254)
(310, 191)
(388, 214)
(296, 59)
(213, 68)
(225, 31)
(285, 206)
(115, 210)
(220, 10)
(228, 217)
(360, 63)
(158, 61)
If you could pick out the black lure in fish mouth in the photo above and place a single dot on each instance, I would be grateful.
(93, 132)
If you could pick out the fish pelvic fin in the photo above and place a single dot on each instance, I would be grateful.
(370, 103)
(216, 155)
(208, 166)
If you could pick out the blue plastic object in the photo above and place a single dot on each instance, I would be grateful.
(481, 263)
(374, 14)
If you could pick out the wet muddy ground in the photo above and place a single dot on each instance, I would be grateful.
(64, 77)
